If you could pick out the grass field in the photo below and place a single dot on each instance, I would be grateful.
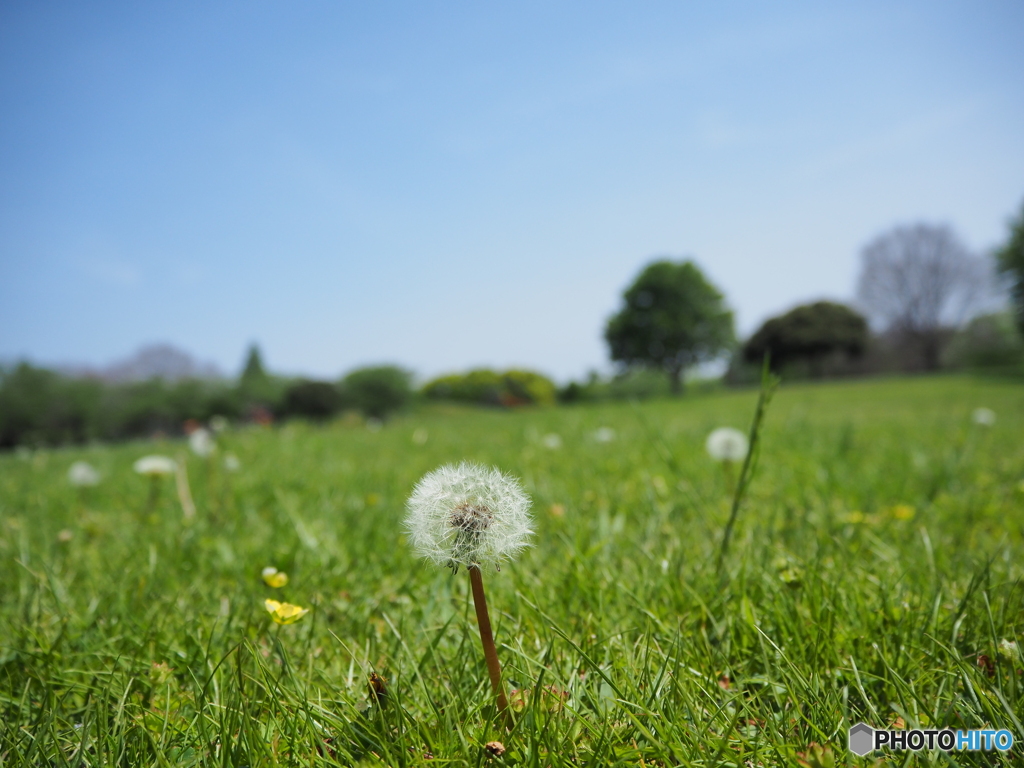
(874, 574)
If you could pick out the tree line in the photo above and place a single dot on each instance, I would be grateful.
(918, 285)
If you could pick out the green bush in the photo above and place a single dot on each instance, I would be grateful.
(989, 343)
(486, 387)
(377, 391)
(40, 407)
(812, 337)
(315, 400)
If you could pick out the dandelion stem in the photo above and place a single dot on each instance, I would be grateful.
(487, 639)
(188, 507)
(769, 382)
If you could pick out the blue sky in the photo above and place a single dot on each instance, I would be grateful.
(445, 185)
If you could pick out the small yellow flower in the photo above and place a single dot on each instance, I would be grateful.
(284, 613)
(855, 517)
(903, 512)
(273, 577)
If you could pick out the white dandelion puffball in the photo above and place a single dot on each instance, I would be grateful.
(82, 474)
(231, 462)
(727, 444)
(468, 514)
(552, 441)
(219, 423)
(604, 435)
(985, 417)
(201, 442)
(155, 465)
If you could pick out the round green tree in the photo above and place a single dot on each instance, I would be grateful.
(809, 333)
(673, 318)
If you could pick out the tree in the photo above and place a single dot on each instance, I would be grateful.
(920, 281)
(256, 387)
(1010, 259)
(810, 333)
(486, 387)
(317, 400)
(377, 391)
(673, 318)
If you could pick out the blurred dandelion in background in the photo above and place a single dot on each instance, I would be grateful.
(284, 613)
(727, 444)
(82, 474)
(420, 436)
(604, 435)
(155, 466)
(231, 462)
(552, 441)
(984, 417)
(201, 442)
(219, 424)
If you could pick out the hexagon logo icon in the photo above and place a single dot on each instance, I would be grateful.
(862, 739)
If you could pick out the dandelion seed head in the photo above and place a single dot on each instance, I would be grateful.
(155, 465)
(231, 462)
(984, 417)
(552, 441)
(82, 474)
(201, 442)
(604, 435)
(727, 444)
(467, 514)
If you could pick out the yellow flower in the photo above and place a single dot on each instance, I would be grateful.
(273, 577)
(903, 511)
(284, 613)
(855, 517)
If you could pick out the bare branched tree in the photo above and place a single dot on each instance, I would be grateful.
(920, 281)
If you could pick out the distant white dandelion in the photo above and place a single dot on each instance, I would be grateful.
(419, 436)
(984, 417)
(604, 435)
(374, 424)
(219, 423)
(467, 514)
(201, 442)
(552, 441)
(231, 462)
(82, 474)
(154, 466)
(727, 444)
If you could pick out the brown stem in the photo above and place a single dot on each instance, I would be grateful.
(487, 639)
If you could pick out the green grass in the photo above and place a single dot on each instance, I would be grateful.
(130, 638)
